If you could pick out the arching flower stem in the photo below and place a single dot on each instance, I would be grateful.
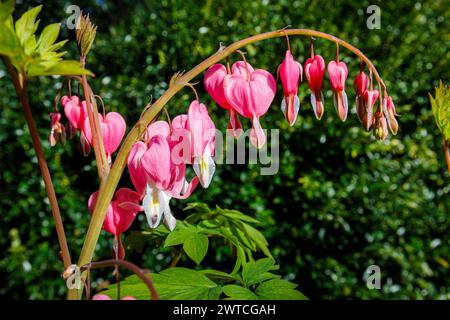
(109, 184)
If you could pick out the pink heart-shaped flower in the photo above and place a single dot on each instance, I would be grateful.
(75, 111)
(113, 128)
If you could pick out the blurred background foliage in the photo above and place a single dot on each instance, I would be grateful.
(341, 200)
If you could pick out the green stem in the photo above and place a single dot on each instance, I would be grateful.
(109, 185)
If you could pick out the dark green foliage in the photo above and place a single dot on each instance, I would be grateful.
(341, 200)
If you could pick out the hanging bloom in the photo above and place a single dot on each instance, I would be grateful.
(157, 174)
(120, 214)
(380, 129)
(290, 72)
(360, 85)
(200, 130)
(113, 128)
(57, 130)
(314, 72)
(213, 81)
(337, 72)
(75, 111)
(370, 97)
(389, 113)
(250, 92)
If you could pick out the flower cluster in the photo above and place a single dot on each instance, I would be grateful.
(249, 93)
(157, 165)
(112, 126)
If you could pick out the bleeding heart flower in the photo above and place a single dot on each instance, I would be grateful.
(250, 92)
(156, 175)
(290, 72)
(75, 111)
(360, 84)
(338, 75)
(380, 129)
(201, 133)
(370, 97)
(213, 81)
(120, 214)
(314, 72)
(57, 130)
(389, 113)
(113, 128)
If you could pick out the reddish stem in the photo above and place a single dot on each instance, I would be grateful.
(20, 86)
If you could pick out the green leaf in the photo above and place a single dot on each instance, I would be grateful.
(26, 25)
(278, 289)
(9, 43)
(48, 37)
(236, 215)
(240, 259)
(219, 275)
(171, 284)
(179, 235)
(258, 238)
(63, 68)
(235, 292)
(196, 247)
(257, 271)
(6, 9)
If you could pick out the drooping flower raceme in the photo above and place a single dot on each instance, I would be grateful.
(314, 72)
(213, 81)
(338, 72)
(290, 72)
(250, 92)
(158, 174)
(200, 131)
(113, 128)
(120, 214)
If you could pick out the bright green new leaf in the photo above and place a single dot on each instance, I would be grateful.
(48, 37)
(6, 9)
(62, 68)
(440, 105)
(26, 25)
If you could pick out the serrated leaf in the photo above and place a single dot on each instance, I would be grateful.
(48, 37)
(279, 289)
(62, 68)
(196, 247)
(235, 292)
(171, 284)
(26, 25)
